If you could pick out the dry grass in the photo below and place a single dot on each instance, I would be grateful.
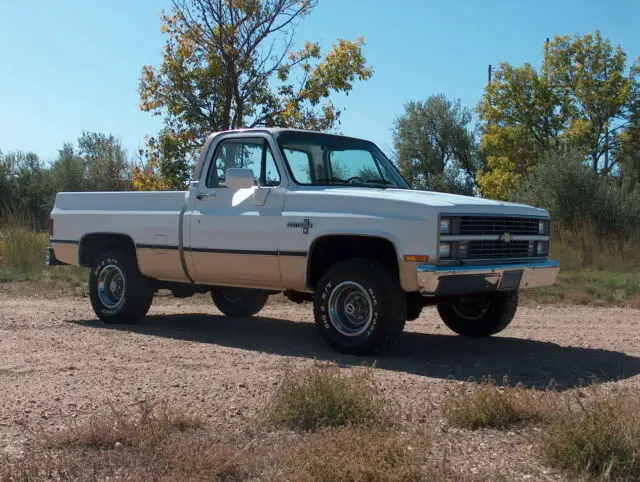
(598, 437)
(353, 454)
(487, 405)
(634, 301)
(152, 423)
(21, 253)
(322, 397)
(583, 248)
(579, 298)
(156, 442)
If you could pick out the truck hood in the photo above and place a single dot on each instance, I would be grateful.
(442, 202)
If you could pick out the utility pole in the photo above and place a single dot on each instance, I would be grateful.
(489, 71)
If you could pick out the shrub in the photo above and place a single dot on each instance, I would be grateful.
(354, 454)
(153, 423)
(596, 219)
(22, 252)
(488, 405)
(156, 442)
(321, 397)
(600, 438)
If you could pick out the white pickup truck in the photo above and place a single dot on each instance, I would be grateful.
(319, 217)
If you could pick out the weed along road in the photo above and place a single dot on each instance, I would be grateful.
(60, 366)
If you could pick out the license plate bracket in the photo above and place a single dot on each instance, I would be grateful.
(510, 280)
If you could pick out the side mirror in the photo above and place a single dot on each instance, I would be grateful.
(237, 178)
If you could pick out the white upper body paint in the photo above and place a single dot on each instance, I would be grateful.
(279, 221)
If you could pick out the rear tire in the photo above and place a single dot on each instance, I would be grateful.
(359, 307)
(119, 293)
(239, 302)
(482, 315)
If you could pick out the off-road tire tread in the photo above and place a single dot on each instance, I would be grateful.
(391, 302)
(138, 291)
(500, 314)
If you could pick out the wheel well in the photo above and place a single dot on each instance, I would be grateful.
(329, 250)
(92, 245)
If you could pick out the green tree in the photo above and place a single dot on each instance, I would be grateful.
(230, 64)
(107, 168)
(68, 171)
(523, 117)
(628, 153)
(25, 187)
(581, 96)
(592, 77)
(434, 146)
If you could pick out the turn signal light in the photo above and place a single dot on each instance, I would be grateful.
(419, 258)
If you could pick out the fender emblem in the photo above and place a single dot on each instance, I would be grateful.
(305, 225)
(506, 237)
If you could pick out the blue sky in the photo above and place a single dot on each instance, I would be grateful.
(73, 65)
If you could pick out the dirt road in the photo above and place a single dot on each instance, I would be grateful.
(59, 364)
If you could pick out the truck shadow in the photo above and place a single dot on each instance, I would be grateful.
(531, 362)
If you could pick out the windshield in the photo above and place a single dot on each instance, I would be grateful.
(323, 159)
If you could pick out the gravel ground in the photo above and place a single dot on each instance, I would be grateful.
(58, 365)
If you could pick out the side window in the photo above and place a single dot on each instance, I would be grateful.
(248, 154)
(300, 164)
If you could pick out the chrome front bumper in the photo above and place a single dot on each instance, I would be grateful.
(457, 280)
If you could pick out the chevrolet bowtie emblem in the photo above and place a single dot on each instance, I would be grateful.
(506, 237)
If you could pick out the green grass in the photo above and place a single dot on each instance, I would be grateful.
(21, 253)
(589, 287)
(22, 259)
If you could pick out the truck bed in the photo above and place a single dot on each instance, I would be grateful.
(150, 218)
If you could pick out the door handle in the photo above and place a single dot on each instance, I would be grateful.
(204, 195)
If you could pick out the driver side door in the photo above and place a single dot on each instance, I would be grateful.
(235, 232)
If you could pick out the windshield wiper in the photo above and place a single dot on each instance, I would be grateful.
(331, 180)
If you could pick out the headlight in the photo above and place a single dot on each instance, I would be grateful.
(445, 226)
(542, 249)
(542, 227)
(445, 250)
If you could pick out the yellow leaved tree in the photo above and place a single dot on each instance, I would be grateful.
(232, 63)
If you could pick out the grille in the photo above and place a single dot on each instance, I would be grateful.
(487, 225)
(498, 249)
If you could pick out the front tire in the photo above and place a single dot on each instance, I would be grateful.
(359, 307)
(239, 302)
(119, 293)
(482, 315)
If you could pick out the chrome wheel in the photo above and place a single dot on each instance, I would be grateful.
(472, 308)
(111, 286)
(350, 308)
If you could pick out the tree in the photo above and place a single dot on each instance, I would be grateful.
(590, 73)
(68, 171)
(230, 64)
(629, 150)
(106, 163)
(434, 147)
(581, 96)
(25, 187)
(523, 117)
